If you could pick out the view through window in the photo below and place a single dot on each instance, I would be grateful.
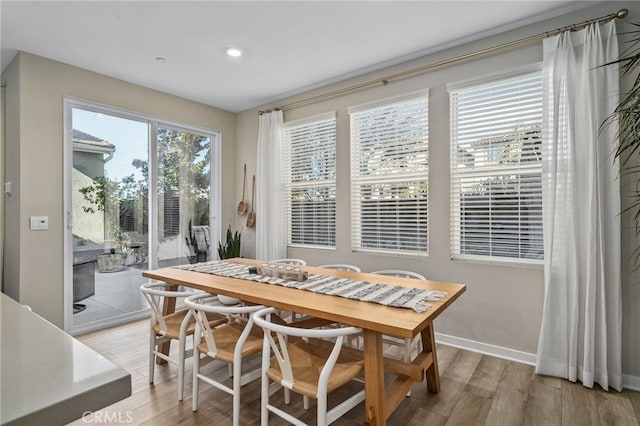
(310, 180)
(496, 168)
(389, 175)
(115, 188)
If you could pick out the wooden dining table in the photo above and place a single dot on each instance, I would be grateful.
(375, 320)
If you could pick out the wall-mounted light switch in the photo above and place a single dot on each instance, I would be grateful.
(38, 223)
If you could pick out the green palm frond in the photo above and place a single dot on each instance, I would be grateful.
(627, 116)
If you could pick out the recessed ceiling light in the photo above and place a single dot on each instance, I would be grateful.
(234, 52)
(161, 60)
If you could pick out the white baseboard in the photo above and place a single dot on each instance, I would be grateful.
(628, 381)
(487, 349)
(631, 382)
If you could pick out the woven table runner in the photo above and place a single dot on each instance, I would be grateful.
(383, 294)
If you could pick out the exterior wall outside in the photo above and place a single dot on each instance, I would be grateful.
(86, 166)
(503, 304)
(36, 157)
(90, 164)
(86, 226)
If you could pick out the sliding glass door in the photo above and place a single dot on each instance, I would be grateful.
(184, 182)
(140, 194)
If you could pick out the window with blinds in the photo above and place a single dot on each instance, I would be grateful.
(310, 180)
(389, 175)
(496, 168)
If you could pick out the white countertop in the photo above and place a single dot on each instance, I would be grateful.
(47, 376)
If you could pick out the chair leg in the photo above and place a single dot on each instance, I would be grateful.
(181, 349)
(264, 400)
(408, 344)
(196, 371)
(237, 375)
(305, 402)
(322, 409)
(152, 356)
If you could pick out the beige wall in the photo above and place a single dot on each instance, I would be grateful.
(35, 163)
(503, 304)
(630, 246)
(11, 255)
(1, 179)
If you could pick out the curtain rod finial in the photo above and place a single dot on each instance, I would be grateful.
(622, 13)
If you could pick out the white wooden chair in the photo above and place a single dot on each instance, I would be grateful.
(353, 340)
(294, 262)
(407, 344)
(400, 273)
(341, 267)
(304, 364)
(229, 343)
(176, 326)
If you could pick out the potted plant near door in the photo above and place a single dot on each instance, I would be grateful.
(231, 247)
(111, 262)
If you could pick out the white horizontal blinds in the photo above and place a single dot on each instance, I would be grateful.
(389, 175)
(496, 169)
(310, 181)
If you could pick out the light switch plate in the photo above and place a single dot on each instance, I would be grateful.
(38, 223)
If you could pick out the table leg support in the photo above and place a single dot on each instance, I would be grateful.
(374, 378)
(429, 346)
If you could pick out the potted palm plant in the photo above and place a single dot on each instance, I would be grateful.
(231, 246)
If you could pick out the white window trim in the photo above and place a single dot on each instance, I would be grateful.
(309, 120)
(455, 218)
(331, 115)
(215, 197)
(492, 77)
(357, 181)
(390, 101)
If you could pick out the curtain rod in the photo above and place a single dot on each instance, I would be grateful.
(621, 14)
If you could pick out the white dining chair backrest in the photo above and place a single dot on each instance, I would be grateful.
(237, 338)
(295, 262)
(154, 293)
(307, 349)
(400, 273)
(200, 306)
(341, 267)
(407, 344)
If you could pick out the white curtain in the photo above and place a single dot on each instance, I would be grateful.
(580, 336)
(271, 237)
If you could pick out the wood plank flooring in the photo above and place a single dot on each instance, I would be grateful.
(476, 390)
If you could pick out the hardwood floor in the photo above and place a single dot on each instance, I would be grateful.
(476, 390)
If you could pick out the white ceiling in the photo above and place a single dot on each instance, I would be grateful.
(289, 46)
